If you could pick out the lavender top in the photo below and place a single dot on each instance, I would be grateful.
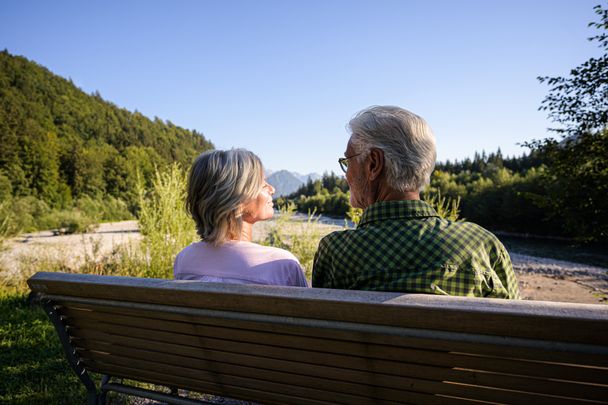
(238, 262)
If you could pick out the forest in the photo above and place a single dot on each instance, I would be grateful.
(557, 188)
(69, 157)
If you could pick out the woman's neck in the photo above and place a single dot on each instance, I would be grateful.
(246, 232)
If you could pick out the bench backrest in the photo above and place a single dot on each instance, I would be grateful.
(314, 346)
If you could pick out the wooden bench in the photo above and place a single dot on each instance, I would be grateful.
(280, 345)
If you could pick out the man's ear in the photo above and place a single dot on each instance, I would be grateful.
(375, 163)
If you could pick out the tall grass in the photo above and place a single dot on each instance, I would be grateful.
(447, 208)
(163, 221)
(300, 238)
(7, 222)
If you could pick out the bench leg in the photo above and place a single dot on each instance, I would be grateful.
(70, 352)
(102, 398)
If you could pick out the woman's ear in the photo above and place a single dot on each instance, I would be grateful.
(375, 163)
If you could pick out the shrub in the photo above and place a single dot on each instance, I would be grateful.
(165, 225)
(8, 223)
(447, 208)
(68, 222)
(108, 209)
(301, 239)
(27, 212)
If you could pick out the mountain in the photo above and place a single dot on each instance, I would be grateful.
(59, 143)
(304, 177)
(284, 182)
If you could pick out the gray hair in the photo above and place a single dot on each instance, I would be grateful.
(220, 182)
(405, 138)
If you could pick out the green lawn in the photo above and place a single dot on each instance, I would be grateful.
(33, 369)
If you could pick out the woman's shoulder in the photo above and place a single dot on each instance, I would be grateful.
(193, 247)
(274, 252)
(241, 249)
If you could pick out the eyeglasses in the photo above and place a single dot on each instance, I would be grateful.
(344, 162)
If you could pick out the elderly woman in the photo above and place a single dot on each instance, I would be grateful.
(227, 194)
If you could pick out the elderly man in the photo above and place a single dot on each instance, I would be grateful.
(401, 243)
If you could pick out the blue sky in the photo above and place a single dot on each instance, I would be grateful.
(282, 78)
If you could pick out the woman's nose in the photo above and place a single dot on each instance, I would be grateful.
(271, 189)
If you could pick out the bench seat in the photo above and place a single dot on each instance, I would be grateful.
(282, 345)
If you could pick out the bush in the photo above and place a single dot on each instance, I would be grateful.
(68, 222)
(302, 242)
(165, 225)
(8, 223)
(108, 209)
(447, 208)
(27, 212)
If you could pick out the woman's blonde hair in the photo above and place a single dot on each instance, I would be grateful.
(220, 182)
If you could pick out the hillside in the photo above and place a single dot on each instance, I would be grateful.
(59, 143)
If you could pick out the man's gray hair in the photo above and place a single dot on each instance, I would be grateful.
(220, 182)
(405, 138)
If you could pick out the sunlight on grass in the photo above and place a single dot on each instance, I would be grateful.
(300, 238)
(33, 368)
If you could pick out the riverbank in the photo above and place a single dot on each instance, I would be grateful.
(540, 278)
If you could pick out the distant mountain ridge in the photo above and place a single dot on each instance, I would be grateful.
(304, 177)
(286, 182)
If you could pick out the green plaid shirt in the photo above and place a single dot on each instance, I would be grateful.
(405, 246)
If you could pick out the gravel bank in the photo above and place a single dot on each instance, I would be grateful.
(540, 278)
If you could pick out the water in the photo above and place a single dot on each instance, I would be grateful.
(322, 219)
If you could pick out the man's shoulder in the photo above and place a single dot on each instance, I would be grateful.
(337, 237)
(473, 230)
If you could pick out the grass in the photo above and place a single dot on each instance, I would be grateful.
(163, 221)
(300, 238)
(33, 368)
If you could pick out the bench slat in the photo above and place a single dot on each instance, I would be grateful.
(217, 359)
(590, 392)
(252, 379)
(445, 361)
(540, 320)
(220, 372)
(269, 344)
(236, 392)
(431, 342)
(477, 361)
(341, 392)
(526, 384)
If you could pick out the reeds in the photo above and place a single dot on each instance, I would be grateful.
(165, 225)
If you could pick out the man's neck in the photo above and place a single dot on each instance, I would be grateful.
(389, 194)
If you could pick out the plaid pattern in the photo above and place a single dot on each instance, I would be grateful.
(405, 246)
